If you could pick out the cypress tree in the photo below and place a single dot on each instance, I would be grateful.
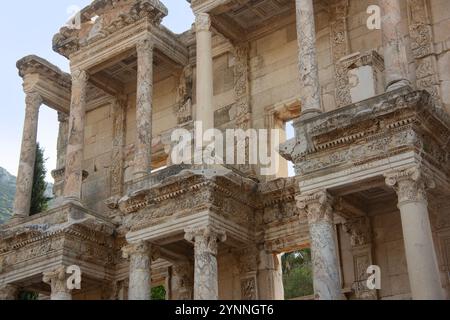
(39, 201)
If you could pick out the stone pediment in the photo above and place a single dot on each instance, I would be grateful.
(103, 18)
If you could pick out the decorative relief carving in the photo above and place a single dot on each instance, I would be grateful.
(248, 289)
(410, 184)
(184, 96)
(422, 47)
(317, 206)
(70, 40)
(117, 161)
(206, 239)
(359, 231)
(183, 281)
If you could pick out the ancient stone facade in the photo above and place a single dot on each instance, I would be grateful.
(370, 108)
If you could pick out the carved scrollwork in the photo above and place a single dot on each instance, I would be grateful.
(316, 206)
(410, 184)
(206, 239)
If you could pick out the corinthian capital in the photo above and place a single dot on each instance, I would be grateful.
(410, 184)
(33, 100)
(145, 45)
(202, 22)
(138, 248)
(57, 279)
(80, 76)
(316, 206)
(206, 239)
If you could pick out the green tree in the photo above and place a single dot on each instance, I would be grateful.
(297, 274)
(159, 293)
(28, 295)
(39, 201)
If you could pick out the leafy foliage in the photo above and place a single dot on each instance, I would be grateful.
(297, 274)
(39, 199)
(159, 293)
(28, 295)
(7, 192)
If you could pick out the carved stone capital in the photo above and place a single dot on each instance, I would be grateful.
(206, 239)
(202, 22)
(8, 292)
(80, 77)
(410, 184)
(33, 100)
(145, 45)
(139, 248)
(316, 206)
(57, 279)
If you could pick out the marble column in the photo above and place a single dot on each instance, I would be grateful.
(75, 140)
(22, 201)
(206, 240)
(307, 58)
(395, 57)
(63, 133)
(8, 292)
(318, 209)
(144, 106)
(57, 279)
(424, 277)
(205, 93)
(139, 255)
(182, 281)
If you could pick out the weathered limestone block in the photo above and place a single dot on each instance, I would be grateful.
(206, 240)
(57, 279)
(22, 201)
(319, 211)
(411, 186)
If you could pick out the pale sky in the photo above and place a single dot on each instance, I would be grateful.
(27, 27)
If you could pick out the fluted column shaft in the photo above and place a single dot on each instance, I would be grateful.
(307, 58)
(22, 201)
(318, 209)
(57, 279)
(139, 255)
(423, 270)
(395, 57)
(205, 93)
(206, 240)
(144, 106)
(75, 141)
